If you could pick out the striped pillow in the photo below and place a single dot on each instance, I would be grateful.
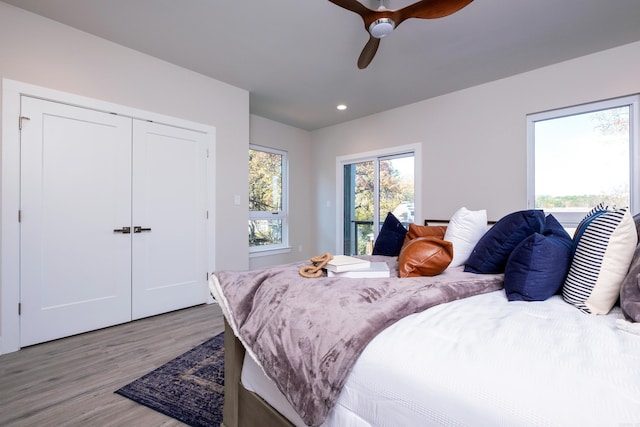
(604, 244)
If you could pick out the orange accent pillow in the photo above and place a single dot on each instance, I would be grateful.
(424, 256)
(424, 231)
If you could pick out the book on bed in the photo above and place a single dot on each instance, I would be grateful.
(341, 263)
(376, 269)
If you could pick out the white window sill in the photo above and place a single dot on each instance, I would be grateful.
(259, 252)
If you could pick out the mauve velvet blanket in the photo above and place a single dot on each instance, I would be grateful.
(307, 333)
(630, 288)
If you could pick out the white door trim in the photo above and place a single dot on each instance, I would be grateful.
(10, 191)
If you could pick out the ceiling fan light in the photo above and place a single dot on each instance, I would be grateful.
(381, 27)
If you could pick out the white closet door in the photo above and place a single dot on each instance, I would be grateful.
(75, 271)
(169, 193)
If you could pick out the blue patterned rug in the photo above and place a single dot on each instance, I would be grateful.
(189, 388)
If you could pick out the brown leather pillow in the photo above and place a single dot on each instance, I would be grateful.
(424, 231)
(424, 256)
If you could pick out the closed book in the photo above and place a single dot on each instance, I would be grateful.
(376, 269)
(341, 263)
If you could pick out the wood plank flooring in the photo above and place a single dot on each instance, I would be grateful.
(71, 381)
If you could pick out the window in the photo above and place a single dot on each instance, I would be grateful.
(373, 186)
(581, 156)
(268, 189)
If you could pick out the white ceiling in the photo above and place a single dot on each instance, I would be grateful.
(297, 58)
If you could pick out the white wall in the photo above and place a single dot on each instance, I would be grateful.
(474, 140)
(297, 144)
(45, 53)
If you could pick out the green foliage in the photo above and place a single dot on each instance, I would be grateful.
(581, 202)
(265, 183)
(393, 191)
(265, 195)
(264, 232)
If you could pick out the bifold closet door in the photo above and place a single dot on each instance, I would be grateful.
(75, 254)
(169, 219)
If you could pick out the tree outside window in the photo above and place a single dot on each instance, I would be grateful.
(267, 199)
(372, 189)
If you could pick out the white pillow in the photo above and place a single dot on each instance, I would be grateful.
(604, 245)
(465, 230)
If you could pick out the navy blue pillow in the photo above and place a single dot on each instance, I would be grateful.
(492, 251)
(538, 266)
(593, 215)
(390, 238)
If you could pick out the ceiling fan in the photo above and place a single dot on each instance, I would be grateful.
(381, 22)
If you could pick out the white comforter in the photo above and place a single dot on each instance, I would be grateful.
(484, 361)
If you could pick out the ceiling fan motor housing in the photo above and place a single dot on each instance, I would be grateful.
(381, 27)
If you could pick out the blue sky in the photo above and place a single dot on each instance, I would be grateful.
(573, 157)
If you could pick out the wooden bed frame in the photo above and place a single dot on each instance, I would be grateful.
(243, 408)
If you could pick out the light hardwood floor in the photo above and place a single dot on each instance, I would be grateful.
(71, 381)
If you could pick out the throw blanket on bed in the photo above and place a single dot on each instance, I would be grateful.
(307, 333)
(630, 288)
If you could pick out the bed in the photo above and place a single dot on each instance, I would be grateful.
(474, 358)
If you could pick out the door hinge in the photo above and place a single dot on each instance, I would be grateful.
(20, 120)
(207, 275)
(19, 308)
(19, 215)
(207, 214)
(207, 153)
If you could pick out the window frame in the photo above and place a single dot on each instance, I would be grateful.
(572, 219)
(282, 214)
(387, 153)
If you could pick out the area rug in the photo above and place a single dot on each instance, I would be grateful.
(189, 388)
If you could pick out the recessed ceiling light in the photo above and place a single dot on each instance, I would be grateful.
(341, 107)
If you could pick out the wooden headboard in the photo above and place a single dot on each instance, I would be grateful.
(446, 221)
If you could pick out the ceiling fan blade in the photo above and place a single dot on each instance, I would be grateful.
(368, 52)
(429, 9)
(425, 9)
(354, 6)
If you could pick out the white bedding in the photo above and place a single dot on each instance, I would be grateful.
(484, 361)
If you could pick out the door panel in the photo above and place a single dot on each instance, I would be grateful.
(169, 270)
(75, 190)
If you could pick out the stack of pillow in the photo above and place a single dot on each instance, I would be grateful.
(537, 256)
(429, 250)
(532, 251)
